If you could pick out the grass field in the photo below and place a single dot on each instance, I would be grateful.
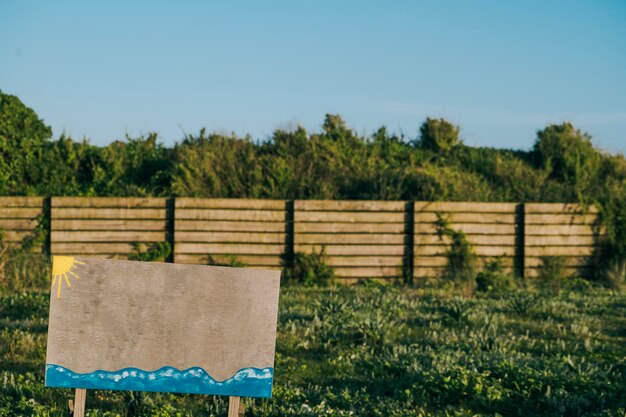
(381, 351)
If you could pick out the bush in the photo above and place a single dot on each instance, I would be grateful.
(551, 273)
(309, 269)
(493, 278)
(461, 267)
(438, 135)
(569, 156)
(615, 274)
(231, 261)
(158, 251)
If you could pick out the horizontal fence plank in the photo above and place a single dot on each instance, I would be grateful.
(443, 260)
(225, 214)
(106, 236)
(470, 228)
(230, 248)
(16, 236)
(331, 250)
(398, 228)
(252, 260)
(364, 261)
(21, 202)
(230, 203)
(478, 250)
(469, 207)
(20, 212)
(348, 217)
(572, 261)
(571, 240)
(107, 213)
(110, 202)
(438, 272)
(334, 205)
(433, 239)
(489, 218)
(560, 218)
(568, 271)
(558, 208)
(228, 226)
(108, 224)
(61, 248)
(360, 280)
(355, 239)
(18, 224)
(559, 251)
(564, 230)
(368, 272)
(230, 237)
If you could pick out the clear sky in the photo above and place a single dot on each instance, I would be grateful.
(500, 69)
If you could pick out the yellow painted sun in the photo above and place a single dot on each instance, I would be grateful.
(61, 271)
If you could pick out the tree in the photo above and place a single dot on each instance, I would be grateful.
(22, 138)
(438, 135)
(567, 153)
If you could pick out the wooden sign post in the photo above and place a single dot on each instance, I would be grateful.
(143, 326)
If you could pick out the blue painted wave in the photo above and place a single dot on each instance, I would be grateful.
(247, 382)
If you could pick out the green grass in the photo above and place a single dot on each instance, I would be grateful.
(381, 351)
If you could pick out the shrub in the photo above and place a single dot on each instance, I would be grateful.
(158, 251)
(438, 135)
(551, 273)
(521, 303)
(231, 261)
(493, 278)
(568, 155)
(461, 267)
(615, 274)
(310, 269)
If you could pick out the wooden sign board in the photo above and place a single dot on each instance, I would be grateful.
(146, 326)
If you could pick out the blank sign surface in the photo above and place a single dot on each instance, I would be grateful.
(161, 327)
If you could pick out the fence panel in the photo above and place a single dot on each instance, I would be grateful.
(231, 231)
(106, 226)
(491, 228)
(19, 217)
(361, 239)
(566, 231)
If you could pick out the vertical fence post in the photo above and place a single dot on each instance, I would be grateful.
(520, 240)
(47, 224)
(409, 241)
(289, 233)
(170, 225)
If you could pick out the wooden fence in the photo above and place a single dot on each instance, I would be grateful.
(360, 239)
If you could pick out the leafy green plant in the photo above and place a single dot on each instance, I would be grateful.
(493, 278)
(462, 260)
(157, 251)
(231, 261)
(521, 303)
(615, 273)
(551, 273)
(310, 269)
(457, 309)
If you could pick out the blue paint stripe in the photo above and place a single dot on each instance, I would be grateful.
(247, 382)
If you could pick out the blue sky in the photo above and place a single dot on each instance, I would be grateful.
(501, 70)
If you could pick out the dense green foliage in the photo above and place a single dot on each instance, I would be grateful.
(381, 351)
(335, 163)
